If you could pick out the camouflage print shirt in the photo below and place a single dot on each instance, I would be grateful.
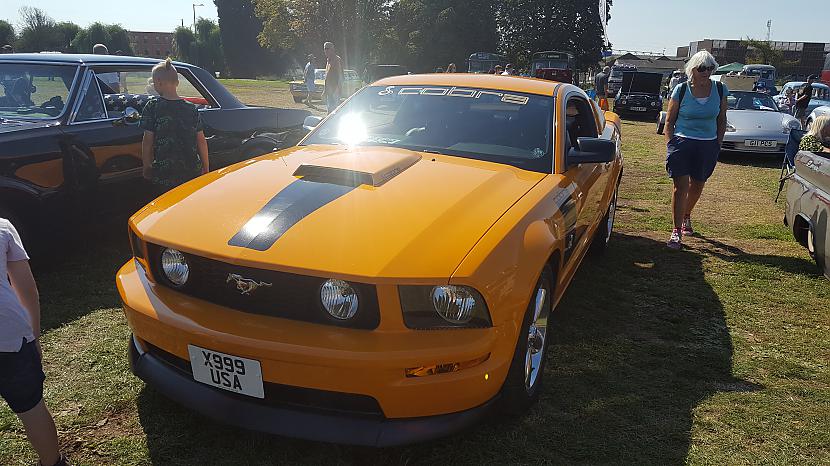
(174, 124)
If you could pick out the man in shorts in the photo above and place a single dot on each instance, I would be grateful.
(21, 371)
(802, 100)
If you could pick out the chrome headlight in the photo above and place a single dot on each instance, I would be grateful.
(339, 299)
(443, 306)
(790, 124)
(730, 128)
(654, 104)
(175, 267)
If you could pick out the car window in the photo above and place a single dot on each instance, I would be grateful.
(91, 106)
(319, 75)
(579, 121)
(32, 91)
(506, 127)
(739, 100)
(130, 87)
(351, 75)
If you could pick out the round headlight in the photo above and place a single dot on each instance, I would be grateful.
(339, 299)
(175, 267)
(455, 304)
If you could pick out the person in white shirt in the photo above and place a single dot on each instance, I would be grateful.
(21, 369)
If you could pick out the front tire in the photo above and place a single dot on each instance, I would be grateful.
(525, 378)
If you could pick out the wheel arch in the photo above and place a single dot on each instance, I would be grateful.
(801, 226)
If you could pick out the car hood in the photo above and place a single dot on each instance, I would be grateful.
(641, 82)
(10, 126)
(359, 213)
(755, 119)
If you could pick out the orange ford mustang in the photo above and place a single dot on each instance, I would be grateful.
(388, 280)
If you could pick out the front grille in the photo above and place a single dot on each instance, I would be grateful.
(289, 296)
(287, 396)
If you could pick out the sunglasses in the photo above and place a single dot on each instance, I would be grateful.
(703, 69)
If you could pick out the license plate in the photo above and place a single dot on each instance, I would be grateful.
(226, 371)
(638, 109)
(758, 143)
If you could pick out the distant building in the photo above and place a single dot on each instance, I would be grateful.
(151, 44)
(800, 58)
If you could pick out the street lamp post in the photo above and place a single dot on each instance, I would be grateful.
(194, 15)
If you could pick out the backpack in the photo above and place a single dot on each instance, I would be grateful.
(686, 85)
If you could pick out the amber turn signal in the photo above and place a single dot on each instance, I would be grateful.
(424, 371)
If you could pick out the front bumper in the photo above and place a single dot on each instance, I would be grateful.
(351, 364)
(736, 141)
(243, 412)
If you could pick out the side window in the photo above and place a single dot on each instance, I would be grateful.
(190, 93)
(579, 122)
(92, 104)
(125, 88)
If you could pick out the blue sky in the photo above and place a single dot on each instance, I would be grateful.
(641, 25)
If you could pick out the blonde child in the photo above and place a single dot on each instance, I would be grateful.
(174, 149)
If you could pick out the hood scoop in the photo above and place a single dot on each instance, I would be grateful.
(355, 167)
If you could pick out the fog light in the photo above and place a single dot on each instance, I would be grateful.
(175, 267)
(339, 299)
(434, 369)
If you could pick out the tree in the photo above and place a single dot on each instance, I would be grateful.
(355, 26)
(209, 45)
(112, 35)
(7, 34)
(39, 32)
(566, 25)
(239, 28)
(761, 52)
(184, 44)
(66, 32)
(426, 34)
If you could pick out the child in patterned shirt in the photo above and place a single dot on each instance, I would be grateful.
(174, 149)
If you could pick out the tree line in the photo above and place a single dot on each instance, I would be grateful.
(420, 34)
(261, 37)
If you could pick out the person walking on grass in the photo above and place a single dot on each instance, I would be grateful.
(174, 149)
(802, 100)
(601, 86)
(21, 368)
(308, 76)
(334, 77)
(695, 127)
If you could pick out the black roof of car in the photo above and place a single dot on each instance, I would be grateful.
(80, 59)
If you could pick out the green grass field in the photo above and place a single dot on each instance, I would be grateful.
(717, 354)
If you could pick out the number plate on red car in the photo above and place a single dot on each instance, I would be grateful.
(226, 371)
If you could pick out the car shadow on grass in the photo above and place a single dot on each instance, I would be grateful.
(638, 341)
(75, 271)
(751, 159)
(786, 264)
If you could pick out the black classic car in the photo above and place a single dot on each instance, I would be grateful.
(69, 138)
(639, 93)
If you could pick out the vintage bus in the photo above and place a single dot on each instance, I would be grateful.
(483, 62)
(553, 65)
(765, 74)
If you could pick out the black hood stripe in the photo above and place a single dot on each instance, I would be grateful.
(289, 206)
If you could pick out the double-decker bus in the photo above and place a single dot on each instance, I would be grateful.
(825, 71)
(483, 62)
(553, 65)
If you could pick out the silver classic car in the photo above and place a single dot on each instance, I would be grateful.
(808, 206)
(755, 124)
(817, 112)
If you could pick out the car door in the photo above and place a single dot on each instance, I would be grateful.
(589, 178)
(104, 151)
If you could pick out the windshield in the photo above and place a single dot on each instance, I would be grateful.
(504, 127)
(482, 66)
(29, 91)
(738, 100)
(558, 64)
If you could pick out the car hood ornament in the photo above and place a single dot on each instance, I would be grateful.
(245, 286)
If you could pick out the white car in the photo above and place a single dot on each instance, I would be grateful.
(755, 124)
(818, 111)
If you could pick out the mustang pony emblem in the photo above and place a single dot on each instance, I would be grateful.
(245, 286)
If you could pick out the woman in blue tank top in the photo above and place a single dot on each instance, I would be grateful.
(695, 126)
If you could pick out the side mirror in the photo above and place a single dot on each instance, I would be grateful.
(592, 150)
(131, 117)
(311, 122)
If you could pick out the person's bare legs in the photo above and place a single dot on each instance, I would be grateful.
(42, 434)
(695, 190)
(679, 198)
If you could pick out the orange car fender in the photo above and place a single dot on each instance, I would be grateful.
(507, 261)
